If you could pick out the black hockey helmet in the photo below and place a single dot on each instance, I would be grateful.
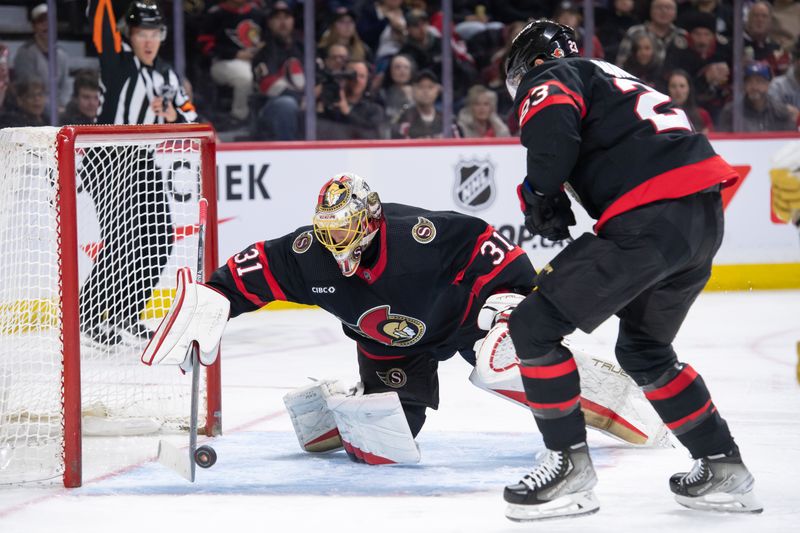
(143, 15)
(540, 39)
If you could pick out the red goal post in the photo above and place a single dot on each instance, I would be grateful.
(95, 223)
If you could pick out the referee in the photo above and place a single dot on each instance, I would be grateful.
(136, 227)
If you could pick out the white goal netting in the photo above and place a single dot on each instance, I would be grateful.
(137, 209)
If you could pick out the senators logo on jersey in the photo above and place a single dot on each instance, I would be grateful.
(381, 325)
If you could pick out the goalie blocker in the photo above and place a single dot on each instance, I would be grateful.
(198, 314)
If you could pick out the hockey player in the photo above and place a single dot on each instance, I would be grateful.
(632, 160)
(137, 87)
(408, 286)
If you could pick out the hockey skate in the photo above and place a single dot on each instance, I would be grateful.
(717, 483)
(560, 485)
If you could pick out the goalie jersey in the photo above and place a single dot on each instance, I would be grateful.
(610, 139)
(418, 289)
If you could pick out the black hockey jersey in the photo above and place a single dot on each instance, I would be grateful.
(431, 273)
(615, 141)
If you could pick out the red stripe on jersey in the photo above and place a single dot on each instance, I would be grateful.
(556, 99)
(549, 372)
(559, 405)
(277, 292)
(240, 285)
(675, 183)
(611, 415)
(689, 418)
(378, 357)
(486, 278)
(478, 243)
(676, 385)
(569, 98)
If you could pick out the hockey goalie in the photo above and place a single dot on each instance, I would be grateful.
(411, 287)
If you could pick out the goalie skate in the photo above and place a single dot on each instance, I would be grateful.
(560, 485)
(717, 483)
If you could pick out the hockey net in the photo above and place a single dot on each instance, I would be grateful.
(94, 223)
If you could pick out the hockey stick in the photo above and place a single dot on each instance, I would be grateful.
(204, 456)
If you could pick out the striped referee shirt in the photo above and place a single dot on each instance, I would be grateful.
(127, 86)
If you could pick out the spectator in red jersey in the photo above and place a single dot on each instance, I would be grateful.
(680, 89)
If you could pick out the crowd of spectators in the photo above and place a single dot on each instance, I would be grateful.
(379, 64)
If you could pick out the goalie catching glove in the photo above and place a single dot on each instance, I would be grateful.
(372, 428)
(198, 315)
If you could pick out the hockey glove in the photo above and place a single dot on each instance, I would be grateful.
(548, 216)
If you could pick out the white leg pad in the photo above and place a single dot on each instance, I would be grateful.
(611, 401)
(313, 422)
(374, 428)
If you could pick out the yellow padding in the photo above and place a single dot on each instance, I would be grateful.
(158, 304)
(24, 316)
(754, 277)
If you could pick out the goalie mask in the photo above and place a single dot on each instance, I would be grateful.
(346, 219)
(540, 39)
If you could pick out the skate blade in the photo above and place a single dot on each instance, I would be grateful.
(568, 506)
(176, 460)
(722, 502)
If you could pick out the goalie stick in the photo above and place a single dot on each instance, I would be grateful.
(204, 456)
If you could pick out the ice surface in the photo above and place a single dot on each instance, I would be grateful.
(742, 343)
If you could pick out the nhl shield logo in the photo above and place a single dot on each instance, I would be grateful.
(474, 187)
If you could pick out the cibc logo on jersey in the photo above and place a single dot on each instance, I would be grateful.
(474, 187)
(380, 325)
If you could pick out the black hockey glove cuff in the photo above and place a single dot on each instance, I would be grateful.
(548, 216)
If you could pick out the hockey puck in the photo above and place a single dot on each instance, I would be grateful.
(205, 456)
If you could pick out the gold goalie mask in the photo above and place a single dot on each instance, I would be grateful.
(346, 219)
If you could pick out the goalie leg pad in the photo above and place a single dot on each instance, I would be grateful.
(374, 429)
(313, 422)
(610, 400)
(198, 315)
